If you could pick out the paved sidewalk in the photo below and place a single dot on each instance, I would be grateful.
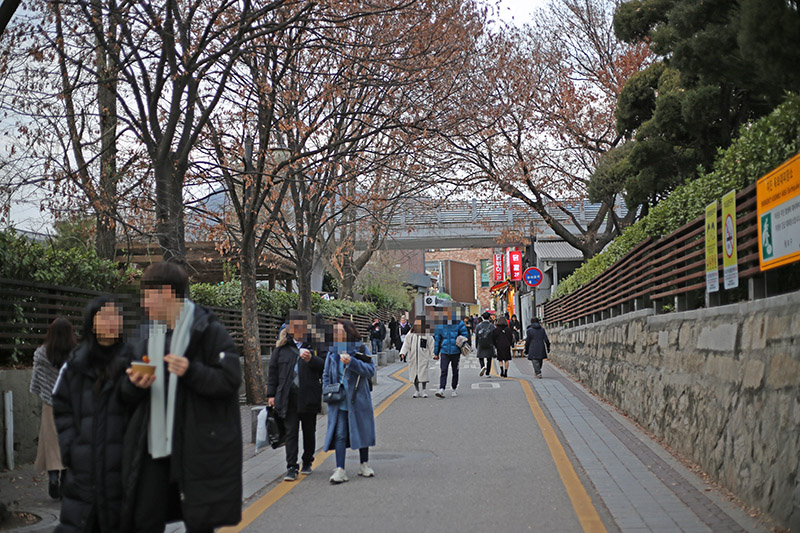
(641, 484)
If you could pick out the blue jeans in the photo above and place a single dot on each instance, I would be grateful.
(446, 361)
(341, 436)
(377, 345)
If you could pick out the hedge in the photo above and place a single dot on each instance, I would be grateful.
(273, 302)
(760, 147)
(25, 260)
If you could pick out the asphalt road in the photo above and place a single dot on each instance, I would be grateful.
(473, 463)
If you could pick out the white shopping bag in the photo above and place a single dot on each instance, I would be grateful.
(261, 430)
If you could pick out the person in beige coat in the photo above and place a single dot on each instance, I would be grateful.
(418, 351)
(47, 362)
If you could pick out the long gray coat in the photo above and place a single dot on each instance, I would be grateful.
(419, 358)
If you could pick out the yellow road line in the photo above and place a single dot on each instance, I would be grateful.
(581, 502)
(257, 508)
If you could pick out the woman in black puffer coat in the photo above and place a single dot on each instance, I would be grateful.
(90, 419)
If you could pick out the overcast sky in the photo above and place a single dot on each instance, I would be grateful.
(519, 11)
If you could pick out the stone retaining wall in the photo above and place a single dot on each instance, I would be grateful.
(27, 413)
(721, 386)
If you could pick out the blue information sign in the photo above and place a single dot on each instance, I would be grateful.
(532, 276)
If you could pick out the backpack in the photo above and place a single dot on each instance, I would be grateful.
(483, 336)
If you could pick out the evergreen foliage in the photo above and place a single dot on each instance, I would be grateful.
(760, 147)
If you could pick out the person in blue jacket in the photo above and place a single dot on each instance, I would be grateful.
(351, 421)
(445, 347)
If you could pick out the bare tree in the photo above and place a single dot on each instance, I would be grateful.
(537, 114)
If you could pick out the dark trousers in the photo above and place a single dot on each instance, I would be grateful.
(537, 365)
(293, 421)
(448, 360)
(488, 365)
(157, 499)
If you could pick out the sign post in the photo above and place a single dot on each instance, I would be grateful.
(515, 261)
(730, 259)
(778, 200)
(712, 265)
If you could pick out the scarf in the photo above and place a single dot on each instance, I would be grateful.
(162, 417)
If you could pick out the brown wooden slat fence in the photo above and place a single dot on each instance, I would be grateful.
(666, 271)
(27, 309)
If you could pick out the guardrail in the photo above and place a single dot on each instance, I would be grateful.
(667, 273)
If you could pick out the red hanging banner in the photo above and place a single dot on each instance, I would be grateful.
(498, 267)
(515, 262)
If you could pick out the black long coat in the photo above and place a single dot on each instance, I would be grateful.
(206, 459)
(535, 342)
(503, 340)
(281, 367)
(91, 428)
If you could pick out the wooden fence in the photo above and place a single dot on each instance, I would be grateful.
(27, 309)
(667, 273)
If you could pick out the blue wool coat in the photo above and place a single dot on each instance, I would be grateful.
(360, 413)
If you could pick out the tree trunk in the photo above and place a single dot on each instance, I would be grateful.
(106, 241)
(169, 212)
(255, 384)
(304, 285)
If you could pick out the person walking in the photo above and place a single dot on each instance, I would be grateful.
(90, 418)
(516, 328)
(394, 334)
(183, 446)
(445, 347)
(351, 421)
(47, 362)
(294, 390)
(405, 328)
(377, 332)
(503, 341)
(484, 343)
(535, 343)
(418, 349)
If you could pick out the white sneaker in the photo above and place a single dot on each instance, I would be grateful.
(440, 393)
(416, 394)
(339, 476)
(366, 471)
(424, 394)
(454, 394)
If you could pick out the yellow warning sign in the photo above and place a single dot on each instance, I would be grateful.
(778, 197)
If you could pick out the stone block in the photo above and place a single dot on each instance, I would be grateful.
(382, 358)
(753, 374)
(783, 372)
(686, 338)
(663, 340)
(720, 338)
(780, 327)
(754, 331)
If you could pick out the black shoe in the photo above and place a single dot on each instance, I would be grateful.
(306, 470)
(53, 488)
(291, 475)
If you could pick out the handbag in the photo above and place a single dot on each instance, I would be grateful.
(276, 429)
(333, 393)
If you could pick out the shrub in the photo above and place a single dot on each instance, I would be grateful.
(25, 260)
(278, 303)
(760, 147)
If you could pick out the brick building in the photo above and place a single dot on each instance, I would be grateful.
(481, 258)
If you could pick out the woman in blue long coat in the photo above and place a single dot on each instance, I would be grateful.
(351, 422)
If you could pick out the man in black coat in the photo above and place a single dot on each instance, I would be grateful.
(294, 390)
(377, 332)
(197, 475)
(535, 342)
